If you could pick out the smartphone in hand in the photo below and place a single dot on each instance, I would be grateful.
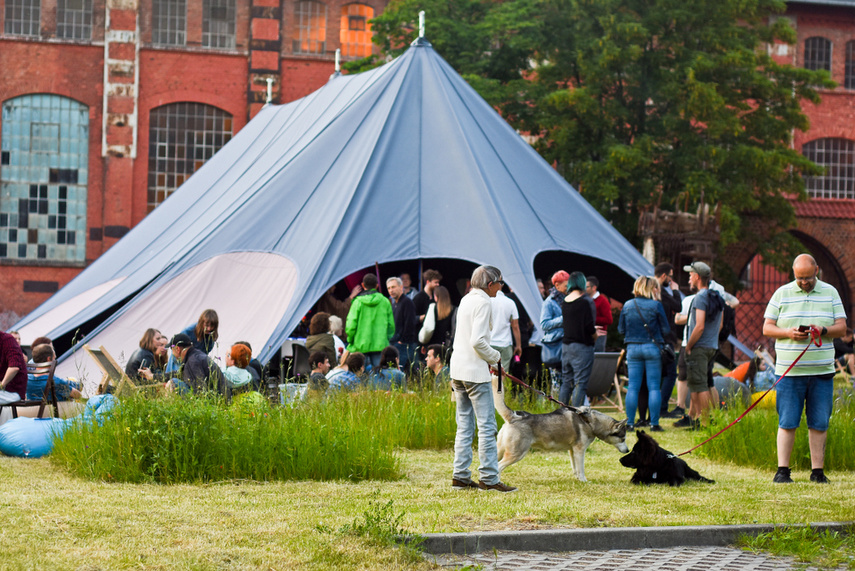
(804, 328)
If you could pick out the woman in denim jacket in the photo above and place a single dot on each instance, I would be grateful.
(552, 322)
(643, 324)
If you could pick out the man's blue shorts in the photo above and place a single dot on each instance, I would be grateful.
(813, 394)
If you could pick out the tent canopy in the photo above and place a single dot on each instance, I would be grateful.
(402, 162)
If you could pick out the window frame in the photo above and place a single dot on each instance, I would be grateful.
(837, 156)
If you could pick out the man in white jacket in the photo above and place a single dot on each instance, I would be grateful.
(471, 380)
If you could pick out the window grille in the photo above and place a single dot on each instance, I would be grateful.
(355, 31)
(43, 178)
(838, 158)
(169, 22)
(311, 20)
(218, 24)
(849, 78)
(182, 136)
(818, 54)
(22, 17)
(74, 19)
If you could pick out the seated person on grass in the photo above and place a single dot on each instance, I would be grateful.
(198, 372)
(66, 389)
(148, 361)
(237, 372)
(388, 375)
(318, 384)
(436, 370)
(347, 376)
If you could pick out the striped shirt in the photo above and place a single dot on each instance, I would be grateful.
(790, 306)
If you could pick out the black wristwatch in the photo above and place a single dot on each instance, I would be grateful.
(824, 331)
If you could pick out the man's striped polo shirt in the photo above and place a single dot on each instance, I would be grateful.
(790, 306)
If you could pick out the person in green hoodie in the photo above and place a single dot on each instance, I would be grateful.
(370, 323)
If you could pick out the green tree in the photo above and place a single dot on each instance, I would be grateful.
(641, 103)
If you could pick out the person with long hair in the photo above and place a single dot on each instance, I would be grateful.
(149, 360)
(445, 319)
(320, 338)
(205, 332)
(389, 374)
(644, 325)
(577, 351)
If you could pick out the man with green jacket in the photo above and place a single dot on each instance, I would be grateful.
(370, 323)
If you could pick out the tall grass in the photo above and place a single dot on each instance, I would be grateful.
(752, 441)
(200, 439)
(350, 436)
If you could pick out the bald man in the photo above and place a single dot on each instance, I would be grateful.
(794, 308)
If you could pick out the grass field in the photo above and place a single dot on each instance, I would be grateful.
(52, 520)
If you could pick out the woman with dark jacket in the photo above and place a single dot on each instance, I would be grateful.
(577, 351)
(643, 324)
(320, 338)
(446, 315)
(148, 361)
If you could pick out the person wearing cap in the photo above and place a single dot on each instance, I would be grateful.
(197, 372)
(703, 323)
(794, 310)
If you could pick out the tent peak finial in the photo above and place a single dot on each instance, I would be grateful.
(421, 41)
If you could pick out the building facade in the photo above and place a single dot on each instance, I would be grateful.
(826, 222)
(109, 105)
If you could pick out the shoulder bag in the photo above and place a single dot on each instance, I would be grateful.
(666, 350)
(426, 332)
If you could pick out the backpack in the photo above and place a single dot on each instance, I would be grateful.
(728, 324)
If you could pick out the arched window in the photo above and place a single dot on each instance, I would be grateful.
(355, 32)
(849, 77)
(311, 20)
(44, 162)
(182, 136)
(22, 17)
(838, 158)
(817, 53)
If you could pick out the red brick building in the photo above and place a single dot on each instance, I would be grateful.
(108, 105)
(826, 223)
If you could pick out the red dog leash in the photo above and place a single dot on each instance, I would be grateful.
(529, 387)
(815, 338)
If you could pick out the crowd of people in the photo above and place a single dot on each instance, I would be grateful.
(380, 342)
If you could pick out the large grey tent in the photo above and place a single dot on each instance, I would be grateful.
(403, 162)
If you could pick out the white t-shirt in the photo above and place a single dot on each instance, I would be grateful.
(504, 311)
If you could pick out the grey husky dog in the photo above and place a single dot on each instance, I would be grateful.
(572, 429)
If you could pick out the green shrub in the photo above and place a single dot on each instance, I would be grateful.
(752, 441)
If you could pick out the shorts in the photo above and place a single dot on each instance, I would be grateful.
(697, 365)
(813, 394)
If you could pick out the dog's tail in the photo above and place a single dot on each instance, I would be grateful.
(499, 401)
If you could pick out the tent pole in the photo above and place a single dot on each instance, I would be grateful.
(422, 24)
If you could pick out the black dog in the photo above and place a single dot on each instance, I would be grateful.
(655, 465)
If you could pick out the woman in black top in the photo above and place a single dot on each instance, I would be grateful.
(577, 351)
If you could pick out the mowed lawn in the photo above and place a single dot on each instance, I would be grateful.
(51, 520)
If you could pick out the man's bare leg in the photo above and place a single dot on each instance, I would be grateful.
(816, 441)
(786, 438)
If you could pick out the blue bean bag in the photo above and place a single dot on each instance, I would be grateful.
(33, 437)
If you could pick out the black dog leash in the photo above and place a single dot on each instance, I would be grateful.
(531, 388)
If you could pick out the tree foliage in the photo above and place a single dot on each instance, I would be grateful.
(640, 103)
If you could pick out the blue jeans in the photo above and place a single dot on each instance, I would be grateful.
(372, 361)
(814, 394)
(407, 355)
(475, 407)
(641, 358)
(669, 377)
(600, 344)
(577, 360)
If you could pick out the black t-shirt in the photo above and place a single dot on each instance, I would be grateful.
(422, 301)
(579, 320)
